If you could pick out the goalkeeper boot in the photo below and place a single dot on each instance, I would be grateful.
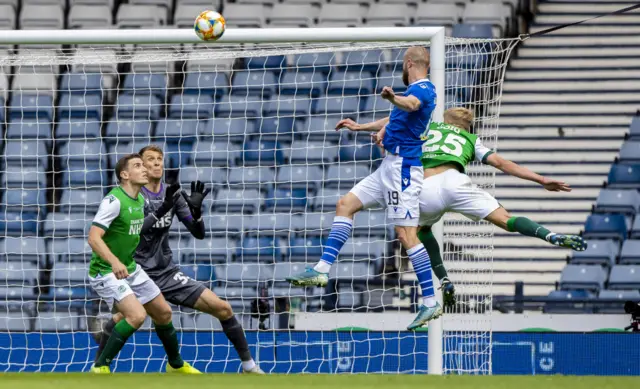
(574, 242)
(448, 294)
(254, 370)
(309, 277)
(100, 369)
(425, 314)
(185, 369)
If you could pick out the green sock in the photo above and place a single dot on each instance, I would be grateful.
(527, 227)
(169, 339)
(121, 332)
(431, 244)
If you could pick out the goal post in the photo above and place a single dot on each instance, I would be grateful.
(165, 86)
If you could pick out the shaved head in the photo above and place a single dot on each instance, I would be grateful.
(416, 58)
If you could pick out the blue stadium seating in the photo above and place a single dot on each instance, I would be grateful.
(635, 229)
(31, 178)
(286, 200)
(367, 248)
(79, 200)
(70, 274)
(70, 250)
(29, 251)
(624, 176)
(198, 272)
(82, 83)
(363, 60)
(392, 79)
(77, 152)
(262, 153)
(228, 225)
(287, 106)
(345, 175)
(587, 277)
(260, 84)
(62, 224)
(215, 85)
(630, 253)
(314, 62)
(191, 107)
(57, 322)
(239, 106)
(209, 175)
(460, 83)
(359, 152)
(85, 175)
(243, 274)
(377, 107)
(237, 201)
(280, 129)
(32, 153)
(605, 226)
(24, 105)
(275, 62)
(567, 295)
(30, 200)
(87, 107)
(303, 249)
(634, 128)
(630, 152)
(122, 131)
(77, 128)
(359, 272)
(303, 83)
(625, 201)
(251, 177)
(138, 107)
(269, 224)
(263, 250)
(18, 273)
(29, 129)
(208, 250)
(124, 146)
(350, 83)
(467, 30)
(139, 84)
(221, 154)
(322, 129)
(18, 224)
(625, 277)
(598, 252)
(305, 153)
(307, 177)
(371, 223)
(175, 130)
(326, 200)
(342, 105)
(234, 128)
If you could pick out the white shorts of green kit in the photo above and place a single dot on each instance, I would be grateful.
(113, 290)
(452, 191)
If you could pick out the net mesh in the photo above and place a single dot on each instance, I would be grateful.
(256, 123)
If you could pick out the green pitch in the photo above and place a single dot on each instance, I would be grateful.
(163, 381)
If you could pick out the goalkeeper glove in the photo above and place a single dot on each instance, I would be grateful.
(198, 193)
(170, 196)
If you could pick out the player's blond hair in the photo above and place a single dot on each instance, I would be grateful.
(459, 117)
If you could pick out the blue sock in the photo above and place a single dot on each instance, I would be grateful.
(422, 266)
(340, 232)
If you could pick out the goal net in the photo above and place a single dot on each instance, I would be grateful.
(257, 124)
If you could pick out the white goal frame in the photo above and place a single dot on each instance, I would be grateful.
(435, 35)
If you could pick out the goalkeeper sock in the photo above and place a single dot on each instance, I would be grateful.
(169, 339)
(340, 232)
(234, 332)
(104, 337)
(528, 227)
(422, 266)
(121, 332)
(431, 244)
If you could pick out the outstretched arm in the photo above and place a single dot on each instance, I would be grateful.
(189, 209)
(513, 169)
(408, 103)
(353, 126)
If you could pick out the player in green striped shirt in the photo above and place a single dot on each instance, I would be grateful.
(448, 148)
(115, 276)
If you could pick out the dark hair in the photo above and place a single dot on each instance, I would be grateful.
(123, 163)
(155, 148)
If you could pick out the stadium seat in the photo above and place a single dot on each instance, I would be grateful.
(15, 177)
(17, 321)
(58, 322)
(35, 83)
(86, 107)
(123, 130)
(262, 153)
(200, 272)
(304, 250)
(359, 152)
(184, 15)
(159, 62)
(605, 226)
(263, 250)
(630, 152)
(269, 224)
(468, 30)
(624, 277)
(436, 14)
(347, 106)
(389, 15)
(624, 176)
(243, 274)
(79, 200)
(82, 83)
(78, 128)
(191, 107)
(29, 129)
(211, 84)
(69, 274)
(486, 13)
(245, 15)
(460, 82)
(258, 83)
(139, 84)
(22, 274)
(41, 17)
(234, 128)
(27, 251)
(251, 177)
(95, 16)
(392, 79)
(62, 224)
(29, 200)
(275, 63)
(31, 106)
(635, 229)
(371, 223)
(138, 107)
(228, 225)
(341, 15)
(237, 201)
(79, 151)
(85, 175)
(305, 177)
(364, 62)
(625, 201)
(21, 223)
(286, 200)
(26, 153)
(583, 277)
(7, 17)
(209, 175)
(177, 130)
(559, 299)
(124, 146)
(376, 106)
(345, 175)
(311, 153)
(287, 106)
(322, 128)
(278, 129)
(621, 296)
(363, 249)
(140, 16)
(315, 224)
(630, 253)
(314, 62)
(356, 272)
(634, 128)
(302, 83)
(70, 250)
(209, 250)
(223, 154)
(351, 82)
(598, 252)
(326, 199)
(293, 15)
(239, 106)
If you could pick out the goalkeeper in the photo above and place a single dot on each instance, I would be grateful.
(115, 276)
(155, 256)
(448, 149)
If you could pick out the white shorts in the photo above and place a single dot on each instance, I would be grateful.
(396, 185)
(452, 191)
(110, 288)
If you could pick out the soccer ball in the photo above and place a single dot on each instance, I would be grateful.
(209, 26)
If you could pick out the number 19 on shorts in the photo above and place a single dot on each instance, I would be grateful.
(393, 198)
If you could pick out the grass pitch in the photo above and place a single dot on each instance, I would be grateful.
(231, 381)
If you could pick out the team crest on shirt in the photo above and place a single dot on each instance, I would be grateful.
(111, 198)
(122, 289)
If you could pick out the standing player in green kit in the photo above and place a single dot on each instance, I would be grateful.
(115, 276)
